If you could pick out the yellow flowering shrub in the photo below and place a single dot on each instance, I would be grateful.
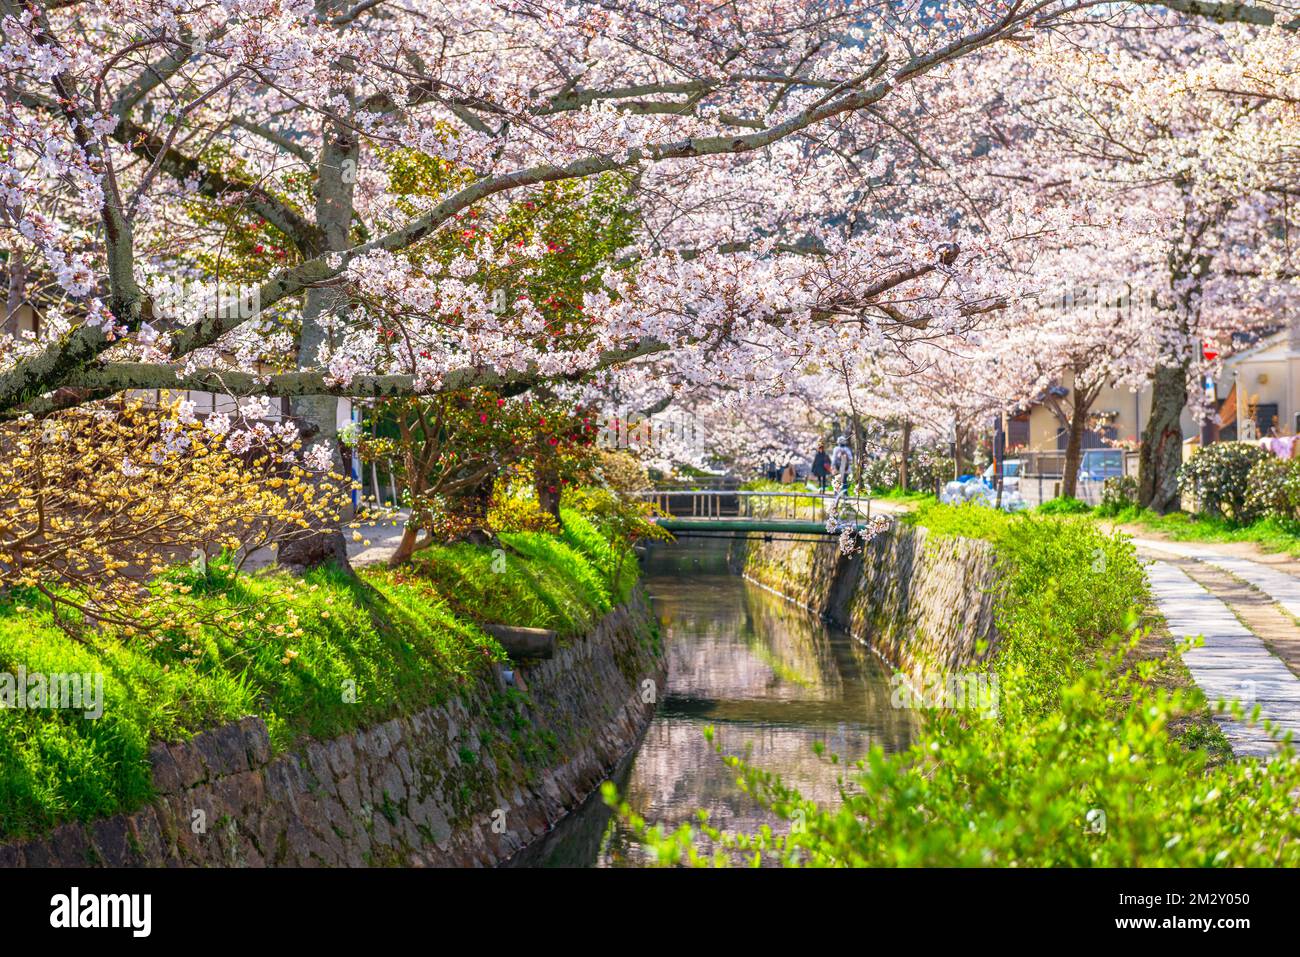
(96, 502)
(514, 512)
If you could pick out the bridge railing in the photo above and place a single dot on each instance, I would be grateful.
(703, 503)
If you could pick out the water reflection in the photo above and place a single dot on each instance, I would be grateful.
(768, 675)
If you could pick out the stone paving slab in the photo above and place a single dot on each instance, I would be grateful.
(1233, 664)
(1279, 586)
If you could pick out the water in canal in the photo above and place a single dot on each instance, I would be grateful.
(769, 676)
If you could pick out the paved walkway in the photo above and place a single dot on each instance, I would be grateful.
(1232, 664)
(1280, 586)
(382, 538)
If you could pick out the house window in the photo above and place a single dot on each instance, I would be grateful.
(1266, 418)
(1018, 433)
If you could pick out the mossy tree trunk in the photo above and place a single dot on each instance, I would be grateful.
(1162, 440)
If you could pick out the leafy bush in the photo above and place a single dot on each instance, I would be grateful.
(512, 511)
(617, 523)
(880, 474)
(1118, 493)
(1275, 489)
(1219, 477)
(622, 471)
(93, 498)
(1064, 506)
(926, 471)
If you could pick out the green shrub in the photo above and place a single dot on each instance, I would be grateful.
(881, 473)
(1064, 506)
(929, 470)
(1274, 489)
(1118, 494)
(1218, 476)
(926, 472)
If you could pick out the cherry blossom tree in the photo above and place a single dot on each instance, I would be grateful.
(1146, 171)
(259, 142)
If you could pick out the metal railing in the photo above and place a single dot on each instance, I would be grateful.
(702, 483)
(1042, 473)
(1052, 464)
(704, 503)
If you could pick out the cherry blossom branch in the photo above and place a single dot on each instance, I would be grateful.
(60, 363)
(114, 377)
(1227, 12)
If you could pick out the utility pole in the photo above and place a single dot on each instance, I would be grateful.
(907, 448)
(999, 452)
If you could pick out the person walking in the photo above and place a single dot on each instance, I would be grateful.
(821, 466)
(841, 462)
(842, 458)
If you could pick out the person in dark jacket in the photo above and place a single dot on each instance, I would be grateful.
(821, 465)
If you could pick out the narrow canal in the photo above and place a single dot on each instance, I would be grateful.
(770, 677)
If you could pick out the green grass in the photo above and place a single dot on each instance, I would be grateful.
(537, 581)
(585, 539)
(1271, 534)
(360, 650)
(1063, 506)
(966, 521)
(912, 496)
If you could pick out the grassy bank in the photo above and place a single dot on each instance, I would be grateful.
(314, 656)
(1271, 534)
(1099, 752)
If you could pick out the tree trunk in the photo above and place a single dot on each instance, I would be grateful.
(547, 488)
(1074, 447)
(318, 414)
(16, 293)
(1162, 440)
(405, 547)
(907, 449)
(477, 502)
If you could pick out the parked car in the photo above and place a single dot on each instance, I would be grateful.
(1097, 465)
(1010, 475)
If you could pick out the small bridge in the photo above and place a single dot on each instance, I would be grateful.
(704, 513)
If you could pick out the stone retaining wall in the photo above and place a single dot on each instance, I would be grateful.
(921, 601)
(465, 783)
